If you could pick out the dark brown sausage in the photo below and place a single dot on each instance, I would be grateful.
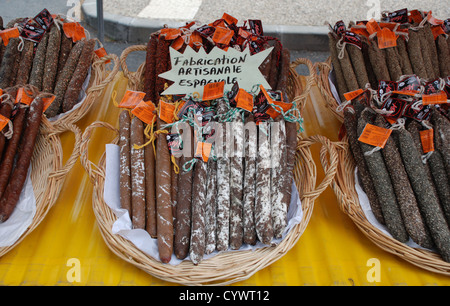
(51, 60)
(150, 72)
(26, 63)
(8, 67)
(37, 72)
(19, 174)
(79, 76)
(150, 190)
(137, 173)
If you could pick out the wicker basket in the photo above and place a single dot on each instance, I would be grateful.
(344, 187)
(227, 267)
(48, 172)
(324, 69)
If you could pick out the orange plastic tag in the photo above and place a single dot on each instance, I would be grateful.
(273, 113)
(3, 122)
(48, 101)
(375, 135)
(7, 34)
(170, 33)
(166, 111)
(131, 99)
(434, 21)
(386, 39)
(426, 137)
(372, 26)
(178, 43)
(353, 94)
(229, 19)
(438, 98)
(203, 150)
(101, 52)
(213, 91)
(24, 97)
(222, 36)
(244, 100)
(437, 30)
(74, 31)
(415, 16)
(406, 92)
(145, 111)
(195, 40)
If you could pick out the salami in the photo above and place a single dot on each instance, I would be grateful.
(279, 177)
(284, 70)
(17, 179)
(64, 79)
(340, 80)
(26, 62)
(210, 210)
(162, 60)
(273, 76)
(198, 241)
(359, 67)
(79, 76)
(424, 192)
(137, 172)
(407, 203)
(263, 207)
(184, 203)
(150, 190)
(378, 61)
(383, 184)
(415, 55)
(37, 71)
(350, 123)
(236, 184)
(150, 72)
(64, 53)
(223, 185)
(444, 55)
(251, 143)
(125, 160)
(393, 63)
(51, 59)
(405, 63)
(8, 68)
(442, 136)
(164, 218)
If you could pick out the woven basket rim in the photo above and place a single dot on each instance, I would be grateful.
(49, 149)
(227, 267)
(344, 187)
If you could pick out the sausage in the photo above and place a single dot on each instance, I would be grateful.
(348, 71)
(279, 178)
(12, 192)
(393, 63)
(263, 207)
(162, 60)
(37, 71)
(210, 210)
(79, 76)
(442, 136)
(164, 218)
(174, 185)
(415, 55)
(125, 162)
(424, 192)
(291, 150)
(274, 61)
(284, 70)
(350, 123)
(51, 59)
(429, 37)
(64, 78)
(236, 184)
(405, 63)
(383, 184)
(223, 185)
(426, 54)
(198, 241)
(443, 54)
(150, 72)
(26, 63)
(8, 68)
(150, 190)
(357, 59)
(340, 80)
(378, 61)
(137, 174)
(407, 203)
(184, 205)
(64, 53)
(251, 142)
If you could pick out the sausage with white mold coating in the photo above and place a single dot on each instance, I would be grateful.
(125, 163)
(137, 165)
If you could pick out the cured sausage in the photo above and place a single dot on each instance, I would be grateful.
(17, 179)
(251, 144)
(37, 71)
(210, 210)
(150, 72)
(8, 68)
(150, 190)
(125, 160)
(79, 76)
(164, 218)
(137, 174)
(26, 63)
(51, 59)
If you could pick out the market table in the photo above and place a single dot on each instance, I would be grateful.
(67, 247)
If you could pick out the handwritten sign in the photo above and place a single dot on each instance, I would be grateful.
(192, 70)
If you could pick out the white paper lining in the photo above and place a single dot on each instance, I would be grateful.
(365, 205)
(21, 217)
(140, 238)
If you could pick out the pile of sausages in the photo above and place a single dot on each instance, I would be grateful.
(407, 185)
(361, 59)
(214, 205)
(51, 62)
(17, 143)
(274, 68)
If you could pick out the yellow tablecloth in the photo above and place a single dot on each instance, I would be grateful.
(332, 251)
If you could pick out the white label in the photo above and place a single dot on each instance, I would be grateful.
(192, 70)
